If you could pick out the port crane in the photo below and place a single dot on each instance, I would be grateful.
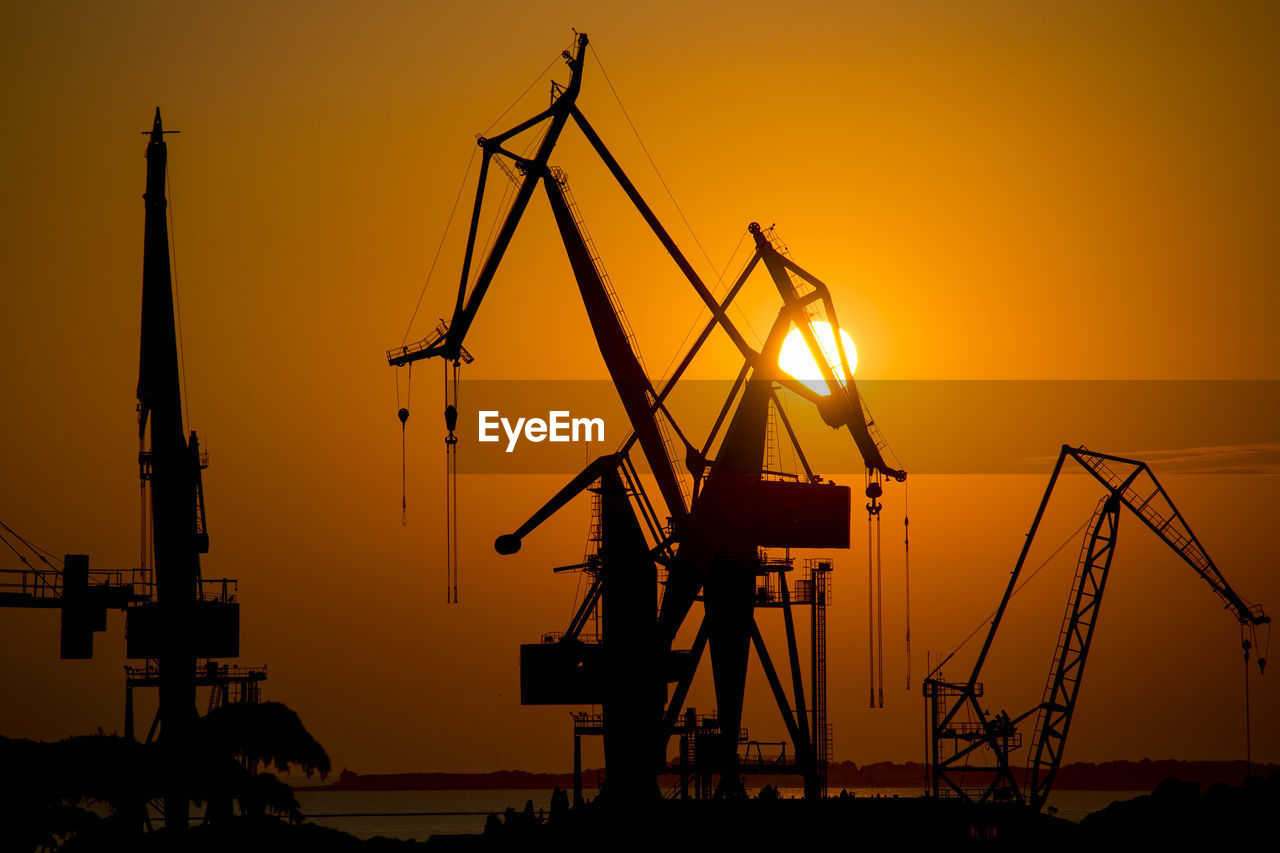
(177, 620)
(962, 732)
(709, 550)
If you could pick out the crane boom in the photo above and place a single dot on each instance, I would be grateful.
(843, 406)
(1141, 492)
(467, 305)
(628, 375)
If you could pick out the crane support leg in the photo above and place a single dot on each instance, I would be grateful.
(804, 743)
(634, 692)
(1073, 648)
(731, 615)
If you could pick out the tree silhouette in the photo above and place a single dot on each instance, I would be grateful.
(235, 740)
(96, 786)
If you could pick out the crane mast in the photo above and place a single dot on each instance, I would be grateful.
(173, 476)
(171, 621)
(182, 623)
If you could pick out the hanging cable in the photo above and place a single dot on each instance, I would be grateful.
(1021, 586)
(457, 198)
(1266, 648)
(526, 91)
(879, 616)
(451, 370)
(448, 501)
(1245, 644)
(19, 554)
(906, 564)
(404, 492)
(649, 157)
(403, 414)
(509, 193)
(928, 730)
(702, 312)
(635, 132)
(871, 628)
(32, 547)
(874, 611)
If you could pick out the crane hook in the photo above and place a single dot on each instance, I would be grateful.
(451, 423)
(1262, 661)
(403, 414)
(874, 491)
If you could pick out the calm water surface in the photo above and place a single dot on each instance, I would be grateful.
(409, 814)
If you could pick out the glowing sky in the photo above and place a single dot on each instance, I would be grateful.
(1005, 190)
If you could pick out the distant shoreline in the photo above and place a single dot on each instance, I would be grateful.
(1079, 776)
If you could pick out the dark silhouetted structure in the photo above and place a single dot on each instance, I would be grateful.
(182, 623)
(711, 548)
(173, 615)
(965, 740)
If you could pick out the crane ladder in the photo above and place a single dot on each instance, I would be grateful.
(1063, 686)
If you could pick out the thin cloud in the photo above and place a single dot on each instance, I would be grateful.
(1253, 459)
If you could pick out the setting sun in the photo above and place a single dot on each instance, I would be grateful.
(798, 362)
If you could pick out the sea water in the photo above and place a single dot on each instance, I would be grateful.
(416, 815)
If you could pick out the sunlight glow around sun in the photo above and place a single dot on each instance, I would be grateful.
(798, 363)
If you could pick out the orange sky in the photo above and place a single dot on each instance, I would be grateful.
(994, 191)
